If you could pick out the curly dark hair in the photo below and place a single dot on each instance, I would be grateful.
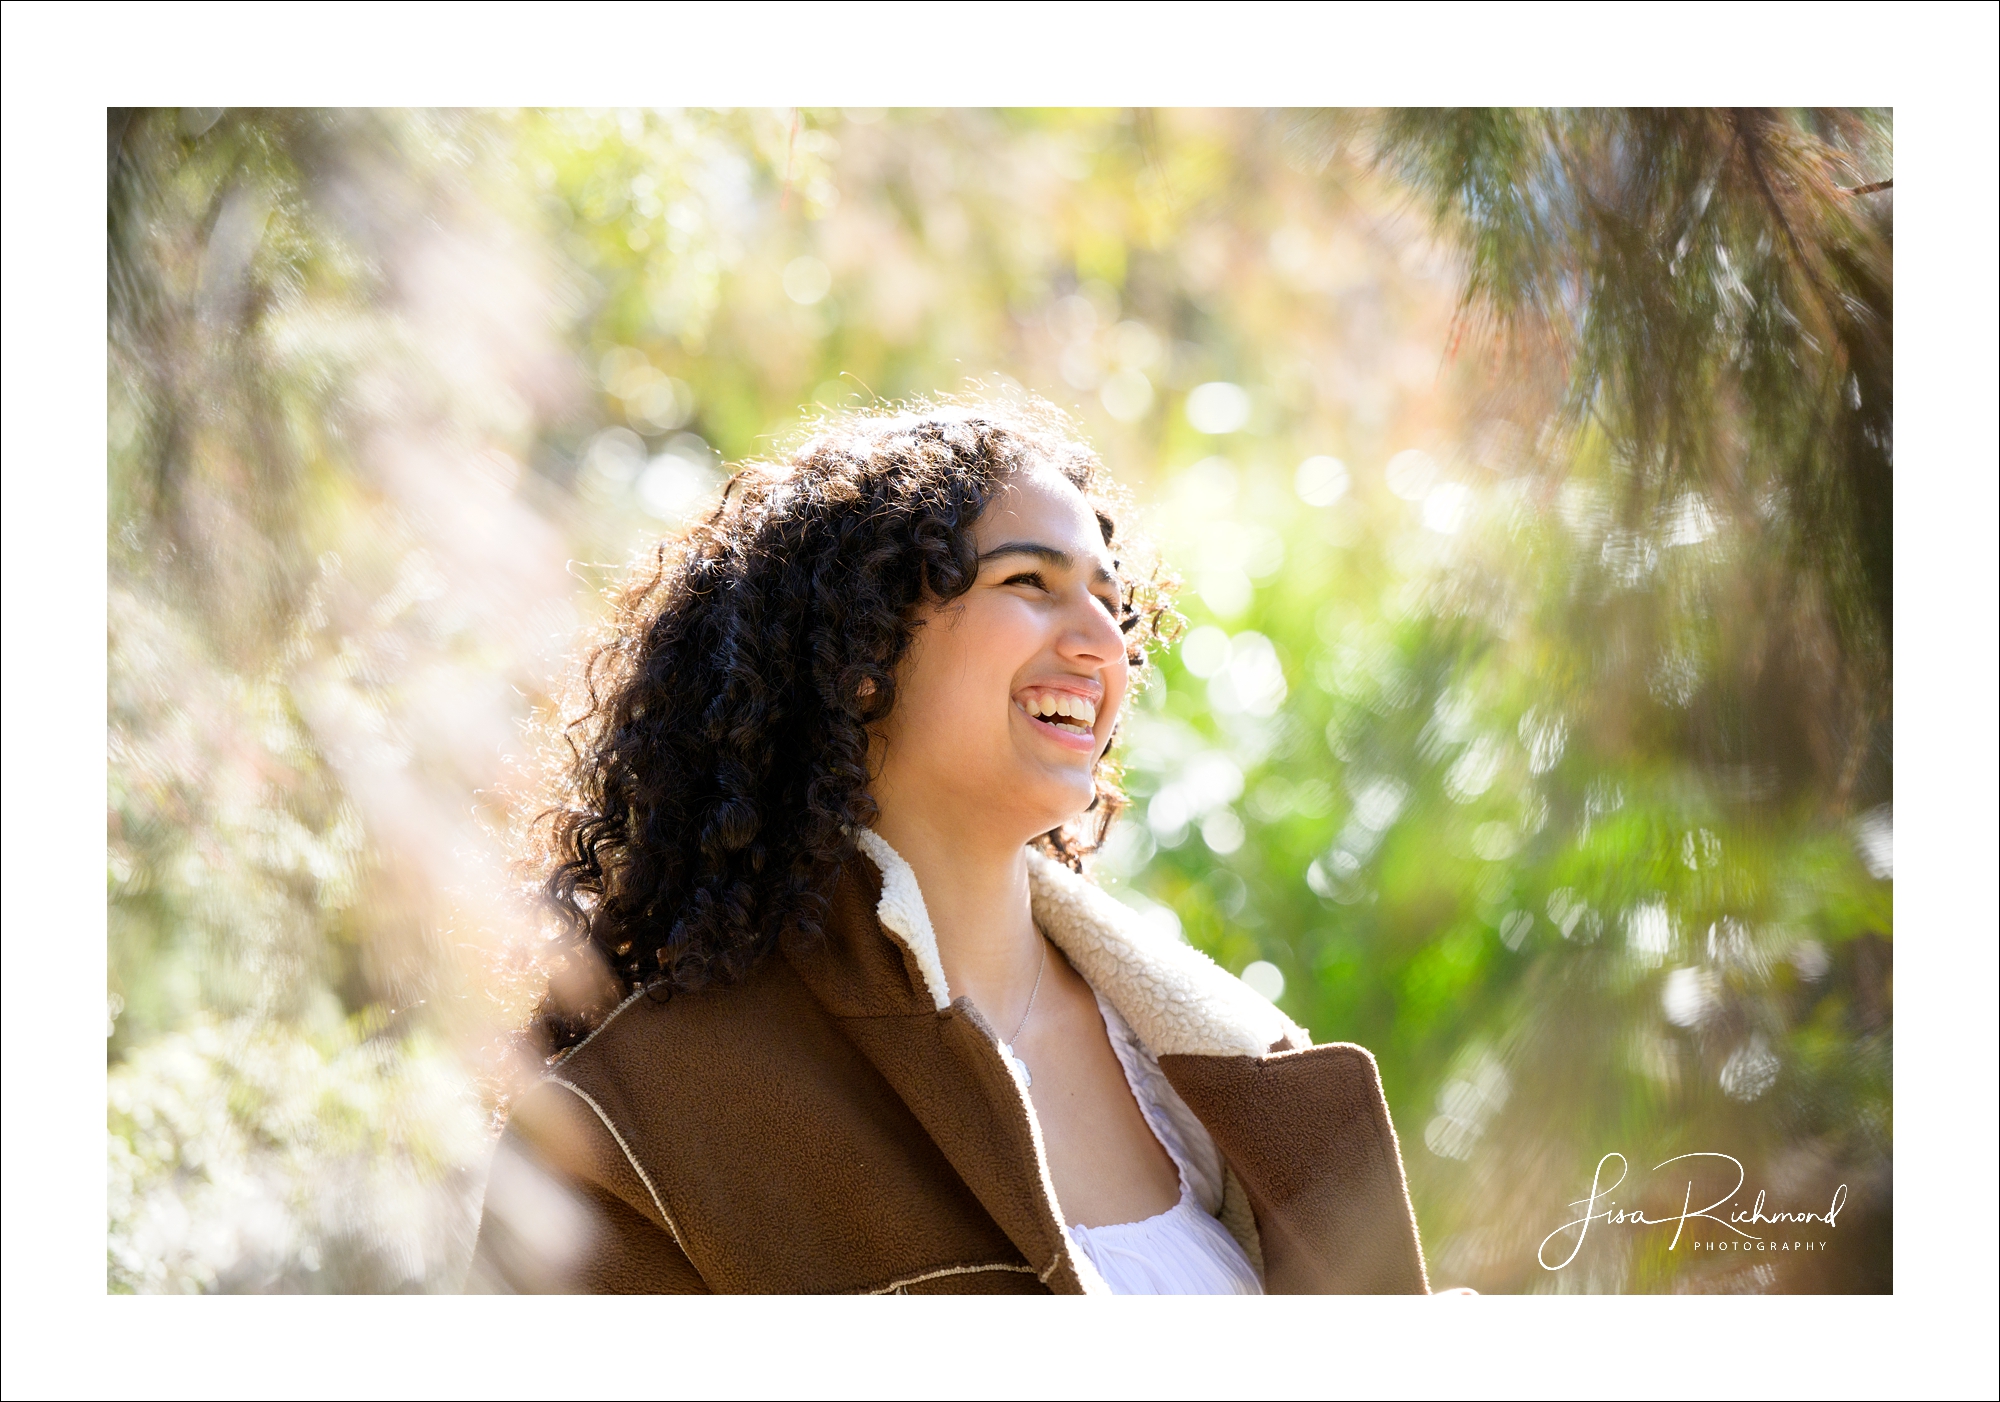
(716, 757)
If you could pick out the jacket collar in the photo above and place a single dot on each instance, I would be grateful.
(1318, 1189)
(1174, 997)
(877, 970)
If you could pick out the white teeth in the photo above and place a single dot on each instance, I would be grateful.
(1049, 705)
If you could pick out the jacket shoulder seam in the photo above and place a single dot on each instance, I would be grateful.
(904, 1282)
(630, 1157)
(634, 996)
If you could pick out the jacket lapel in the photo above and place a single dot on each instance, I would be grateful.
(1305, 1128)
(887, 990)
(1308, 1133)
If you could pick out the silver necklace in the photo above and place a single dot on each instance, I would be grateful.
(1007, 1047)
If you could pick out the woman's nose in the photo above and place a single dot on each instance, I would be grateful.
(1090, 634)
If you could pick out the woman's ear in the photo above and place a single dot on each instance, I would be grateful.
(871, 700)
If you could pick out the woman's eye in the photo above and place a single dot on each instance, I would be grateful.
(1034, 579)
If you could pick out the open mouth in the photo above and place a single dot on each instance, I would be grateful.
(1068, 715)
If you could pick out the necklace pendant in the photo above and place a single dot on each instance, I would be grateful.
(1018, 1066)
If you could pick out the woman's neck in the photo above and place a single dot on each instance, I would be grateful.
(976, 893)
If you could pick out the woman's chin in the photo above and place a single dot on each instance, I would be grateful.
(1062, 804)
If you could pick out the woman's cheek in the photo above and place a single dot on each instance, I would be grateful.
(1011, 633)
(991, 647)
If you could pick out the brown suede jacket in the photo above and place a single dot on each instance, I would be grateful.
(838, 1123)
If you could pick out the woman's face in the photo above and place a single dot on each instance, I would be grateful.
(1008, 694)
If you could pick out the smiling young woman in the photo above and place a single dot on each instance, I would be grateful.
(841, 1010)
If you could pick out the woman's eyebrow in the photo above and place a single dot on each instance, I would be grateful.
(1059, 558)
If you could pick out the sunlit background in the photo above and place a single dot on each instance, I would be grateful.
(1529, 478)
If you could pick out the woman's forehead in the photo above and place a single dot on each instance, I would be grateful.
(1043, 504)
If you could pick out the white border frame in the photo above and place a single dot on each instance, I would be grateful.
(64, 63)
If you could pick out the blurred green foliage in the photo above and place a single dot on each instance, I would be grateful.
(1529, 477)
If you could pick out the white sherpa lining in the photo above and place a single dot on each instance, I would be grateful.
(1175, 998)
(902, 912)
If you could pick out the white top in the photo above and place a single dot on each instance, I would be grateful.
(1184, 1250)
